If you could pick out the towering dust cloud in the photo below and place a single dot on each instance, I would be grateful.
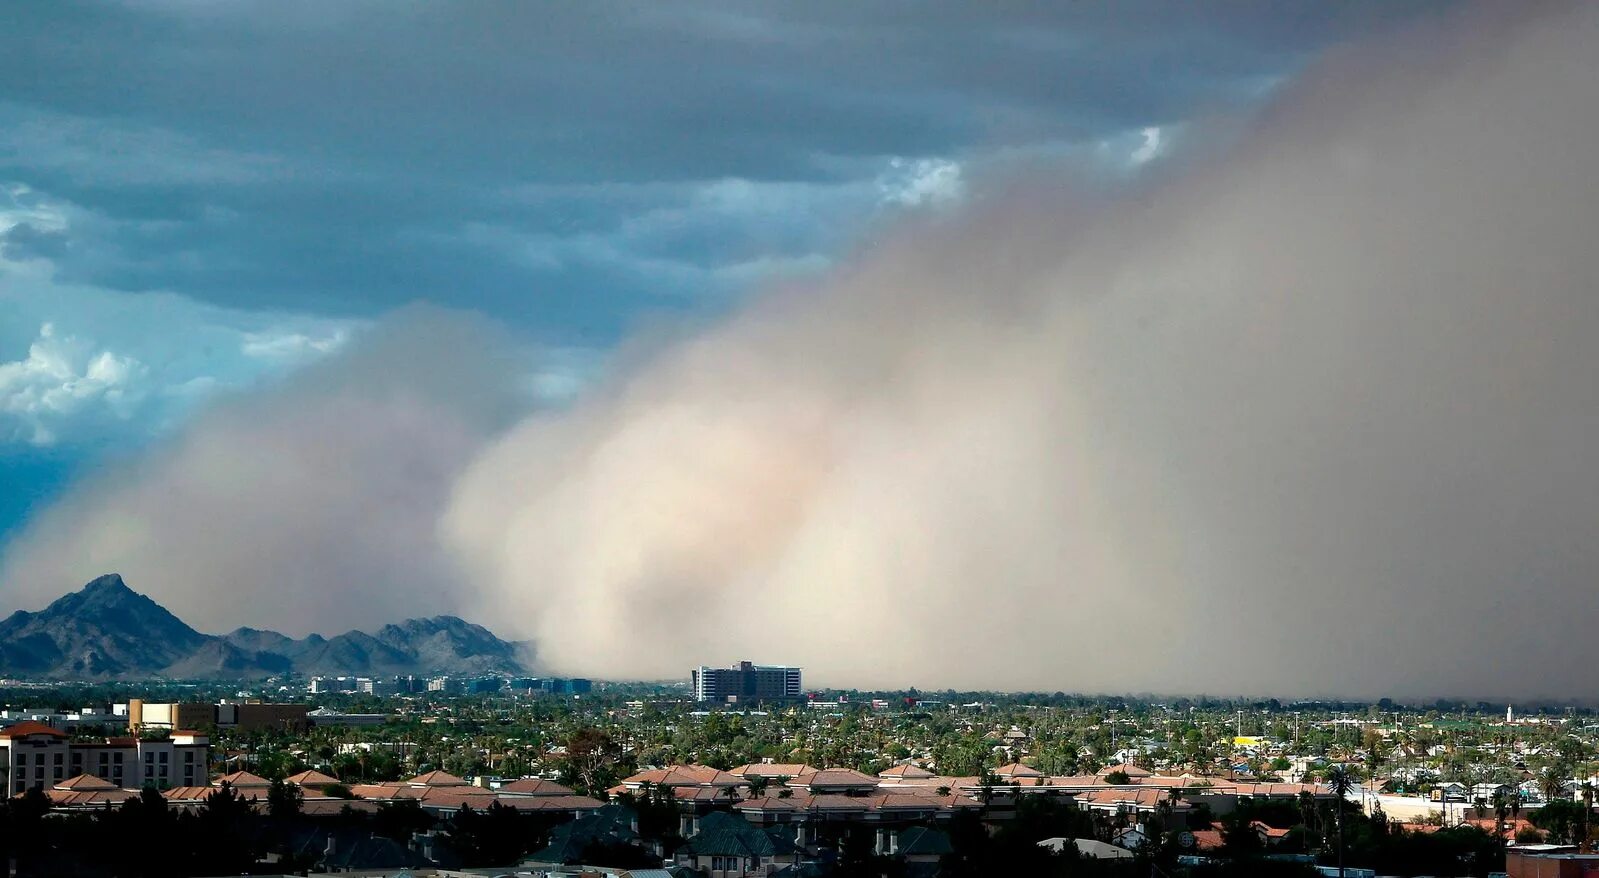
(1316, 417)
(1319, 417)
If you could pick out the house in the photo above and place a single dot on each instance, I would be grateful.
(1270, 836)
(727, 846)
(533, 786)
(771, 771)
(1488, 793)
(312, 781)
(610, 826)
(245, 783)
(905, 772)
(719, 783)
(834, 781)
(1017, 773)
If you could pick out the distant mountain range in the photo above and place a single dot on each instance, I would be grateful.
(109, 631)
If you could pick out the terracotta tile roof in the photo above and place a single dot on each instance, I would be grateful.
(1017, 770)
(31, 727)
(798, 802)
(1268, 831)
(906, 772)
(85, 783)
(930, 781)
(312, 778)
(704, 794)
(551, 803)
(535, 786)
(437, 779)
(187, 794)
(242, 780)
(1281, 790)
(1074, 781)
(383, 791)
(334, 807)
(887, 802)
(684, 776)
(88, 798)
(833, 777)
(1141, 798)
(1190, 782)
(772, 769)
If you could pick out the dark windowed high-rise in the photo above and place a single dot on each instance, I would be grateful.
(747, 682)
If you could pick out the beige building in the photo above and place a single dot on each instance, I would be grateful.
(36, 755)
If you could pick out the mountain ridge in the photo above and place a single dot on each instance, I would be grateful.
(108, 631)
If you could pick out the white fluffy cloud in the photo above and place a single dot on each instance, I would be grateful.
(64, 380)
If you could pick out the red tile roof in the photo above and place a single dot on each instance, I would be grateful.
(833, 777)
(31, 727)
(535, 786)
(684, 776)
(772, 769)
(312, 778)
(243, 780)
(905, 771)
(85, 783)
(437, 779)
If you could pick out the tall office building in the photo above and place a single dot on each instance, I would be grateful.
(746, 682)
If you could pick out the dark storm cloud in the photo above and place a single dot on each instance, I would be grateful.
(347, 157)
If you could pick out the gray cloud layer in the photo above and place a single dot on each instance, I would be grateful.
(290, 155)
(1310, 418)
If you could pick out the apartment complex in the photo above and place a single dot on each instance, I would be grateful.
(33, 754)
(746, 682)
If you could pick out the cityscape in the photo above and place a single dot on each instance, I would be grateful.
(867, 439)
(744, 770)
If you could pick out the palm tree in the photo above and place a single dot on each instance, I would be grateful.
(1587, 809)
(1552, 783)
(1307, 813)
(1501, 804)
(1340, 781)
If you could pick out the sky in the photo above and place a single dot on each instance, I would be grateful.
(848, 331)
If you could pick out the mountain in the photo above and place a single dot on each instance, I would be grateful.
(109, 631)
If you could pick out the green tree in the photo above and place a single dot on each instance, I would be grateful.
(284, 800)
(1340, 782)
